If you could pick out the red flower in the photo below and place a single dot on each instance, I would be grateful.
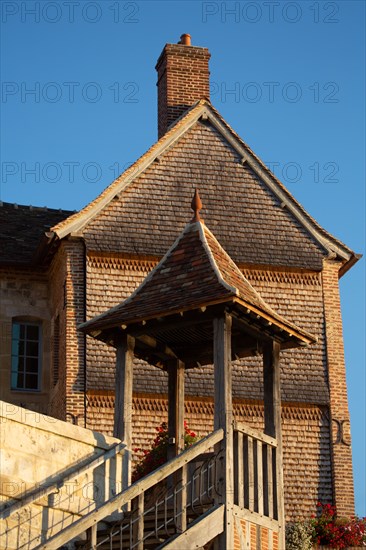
(157, 455)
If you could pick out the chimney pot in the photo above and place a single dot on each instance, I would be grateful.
(185, 39)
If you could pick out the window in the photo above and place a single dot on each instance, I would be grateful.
(25, 356)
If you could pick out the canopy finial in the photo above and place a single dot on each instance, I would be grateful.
(196, 206)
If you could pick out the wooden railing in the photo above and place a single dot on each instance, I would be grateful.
(176, 467)
(190, 485)
(255, 479)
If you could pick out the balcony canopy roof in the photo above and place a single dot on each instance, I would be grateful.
(170, 314)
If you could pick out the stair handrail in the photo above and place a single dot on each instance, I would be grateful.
(55, 485)
(89, 520)
(256, 434)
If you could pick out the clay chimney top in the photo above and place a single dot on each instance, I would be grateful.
(185, 39)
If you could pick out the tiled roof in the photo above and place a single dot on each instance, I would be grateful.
(204, 109)
(22, 229)
(196, 272)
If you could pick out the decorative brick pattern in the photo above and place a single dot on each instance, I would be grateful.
(341, 436)
(75, 314)
(57, 277)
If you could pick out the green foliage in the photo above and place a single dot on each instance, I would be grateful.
(156, 456)
(299, 536)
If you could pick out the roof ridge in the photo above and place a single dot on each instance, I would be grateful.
(35, 207)
(202, 228)
(234, 267)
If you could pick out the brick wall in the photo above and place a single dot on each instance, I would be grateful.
(57, 278)
(67, 294)
(75, 340)
(183, 78)
(340, 419)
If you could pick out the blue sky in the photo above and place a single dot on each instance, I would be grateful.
(79, 105)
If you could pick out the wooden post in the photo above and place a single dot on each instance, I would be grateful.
(176, 408)
(272, 423)
(91, 536)
(176, 438)
(123, 402)
(223, 418)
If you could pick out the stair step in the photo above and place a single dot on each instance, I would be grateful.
(152, 541)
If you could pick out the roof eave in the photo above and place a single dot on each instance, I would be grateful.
(348, 264)
(303, 337)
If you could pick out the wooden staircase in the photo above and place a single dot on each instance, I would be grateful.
(156, 531)
(181, 504)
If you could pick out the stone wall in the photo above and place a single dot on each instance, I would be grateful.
(24, 296)
(37, 449)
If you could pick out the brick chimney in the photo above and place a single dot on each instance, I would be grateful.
(183, 78)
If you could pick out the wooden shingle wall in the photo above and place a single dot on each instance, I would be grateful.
(298, 296)
(245, 217)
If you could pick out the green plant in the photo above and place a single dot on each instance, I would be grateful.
(299, 536)
(152, 458)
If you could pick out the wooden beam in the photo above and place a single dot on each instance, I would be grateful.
(223, 418)
(154, 345)
(176, 435)
(272, 423)
(176, 321)
(123, 402)
(201, 531)
(257, 519)
(176, 408)
(223, 413)
(257, 434)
